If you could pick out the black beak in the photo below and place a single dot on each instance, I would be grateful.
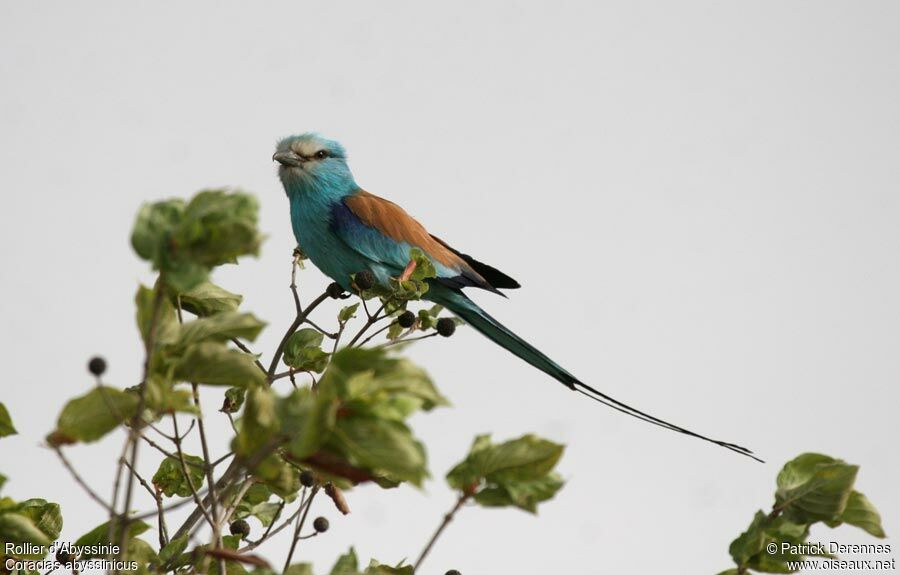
(289, 158)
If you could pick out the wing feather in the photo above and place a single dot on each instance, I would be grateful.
(391, 221)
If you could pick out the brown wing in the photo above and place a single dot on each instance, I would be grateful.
(393, 221)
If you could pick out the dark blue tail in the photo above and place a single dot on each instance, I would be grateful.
(468, 311)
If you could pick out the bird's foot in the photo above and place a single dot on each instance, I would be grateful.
(408, 271)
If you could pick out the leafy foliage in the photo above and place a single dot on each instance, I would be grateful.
(93, 415)
(517, 473)
(351, 427)
(6, 424)
(303, 351)
(184, 241)
(34, 521)
(812, 488)
(170, 478)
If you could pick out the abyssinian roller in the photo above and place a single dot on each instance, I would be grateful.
(344, 229)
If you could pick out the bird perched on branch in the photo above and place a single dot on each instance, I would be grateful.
(344, 229)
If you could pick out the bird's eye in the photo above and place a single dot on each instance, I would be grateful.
(321, 154)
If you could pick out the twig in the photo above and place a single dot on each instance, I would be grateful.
(369, 322)
(298, 321)
(159, 448)
(447, 519)
(224, 457)
(134, 428)
(210, 480)
(154, 493)
(299, 528)
(408, 340)
(170, 437)
(187, 476)
(246, 349)
(116, 482)
(226, 517)
(373, 334)
(93, 495)
(268, 530)
(327, 334)
(169, 507)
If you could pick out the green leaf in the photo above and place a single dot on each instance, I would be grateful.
(45, 515)
(234, 399)
(753, 549)
(163, 397)
(19, 528)
(814, 487)
(302, 351)
(184, 241)
(213, 363)
(516, 473)
(173, 550)
(282, 478)
(100, 535)
(860, 512)
(3, 479)
(217, 227)
(394, 331)
(751, 542)
(260, 422)
(167, 327)
(306, 420)
(299, 569)
(208, 299)
(522, 494)
(424, 268)
(220, 327)
(386, 385)
(170, 479)
(256, 503)
(385, 446)
(153, 226)
(93, 415)
(376, 568)
(526, 458)
(347, 313)
(6, 424)
(347, 564)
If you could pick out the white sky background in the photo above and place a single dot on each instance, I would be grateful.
(699, 198)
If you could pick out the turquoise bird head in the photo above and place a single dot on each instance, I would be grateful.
(310, 163)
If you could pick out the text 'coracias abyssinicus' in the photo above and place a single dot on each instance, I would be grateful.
(344, 229)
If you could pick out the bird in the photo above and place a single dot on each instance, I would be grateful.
(343, 229)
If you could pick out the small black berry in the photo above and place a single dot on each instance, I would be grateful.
(406, 319)
(63, 556)
(334, 290)
(307, 479)
(446, 326)
(452, 572)
(364, 280)
(97, 366)
(320, 525)
(240, 527)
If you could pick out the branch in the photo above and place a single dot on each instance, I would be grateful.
(93, 495)
(372, 320)
(154, 493)
(246, 349)
(298, 321)
(187, 476)
(210, 481)
(447, 519)
(299, 528)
